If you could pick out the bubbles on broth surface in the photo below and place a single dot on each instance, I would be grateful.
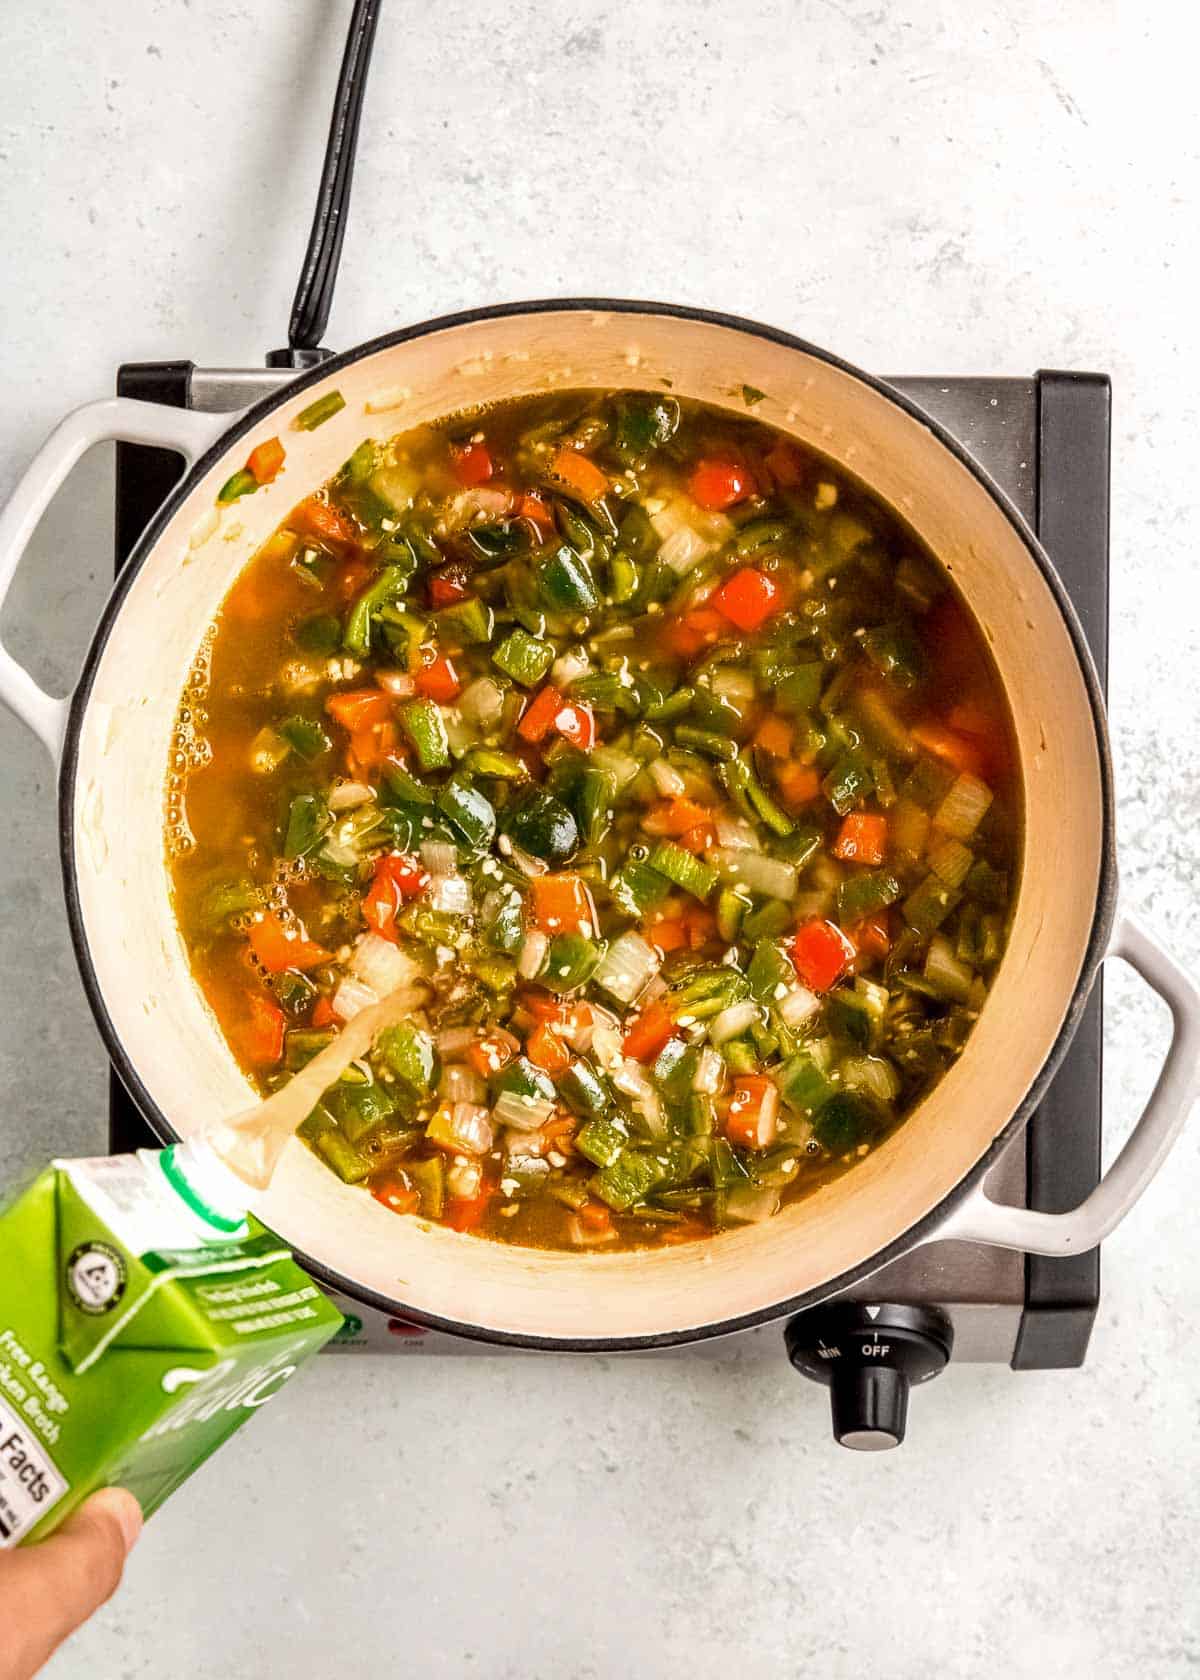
(190, 750)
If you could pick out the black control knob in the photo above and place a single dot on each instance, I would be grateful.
(868, 1357)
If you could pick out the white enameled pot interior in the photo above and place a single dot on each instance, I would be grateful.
(171, 1036)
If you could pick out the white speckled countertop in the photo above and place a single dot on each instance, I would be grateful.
(940, 188)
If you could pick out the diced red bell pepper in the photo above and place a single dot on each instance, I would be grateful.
(398, 878)
(649, 1031)
(748, 598)
(774, 736)
(821, 954)
(359, 708)
(265, 460)
(963, 752)
(538, 718)
(871, 938)
(320, 520)
(371, 747)
(667, 934)
(463, 1213)
(562, 904)
(719, 484)
(583, 476)
(322, 1013)
(532, 507)
(753, 1116)
(862, 838)
(263, 1037)
(699, 838)
(279, 948)
(437, 679)
(569, 1020)
(472, 464)
(546, 1050)
(448, 585)
(675, 816)
(798, 784)
(787, 463)
(395, 1194)
(594, 1216)
(700, 923)
(350, 579)
(492, 1052)
(693, 631)
(576, 723)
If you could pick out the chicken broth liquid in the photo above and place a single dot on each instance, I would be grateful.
(663, 755)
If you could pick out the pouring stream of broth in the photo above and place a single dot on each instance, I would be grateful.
(250, 1144)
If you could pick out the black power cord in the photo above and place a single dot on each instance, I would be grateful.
(314, 293)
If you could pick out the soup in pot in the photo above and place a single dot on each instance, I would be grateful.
(666, 756)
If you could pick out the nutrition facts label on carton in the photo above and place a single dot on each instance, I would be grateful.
(30, 1483)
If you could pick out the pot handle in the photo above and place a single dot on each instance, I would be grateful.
(981, 1220)
(113, 418)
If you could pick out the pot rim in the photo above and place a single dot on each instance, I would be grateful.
(925, 1229)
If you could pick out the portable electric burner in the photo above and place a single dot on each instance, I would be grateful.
(1045, 441)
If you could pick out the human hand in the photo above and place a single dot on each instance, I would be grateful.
(48, 1590)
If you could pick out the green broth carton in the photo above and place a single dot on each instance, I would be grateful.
(143, 1318)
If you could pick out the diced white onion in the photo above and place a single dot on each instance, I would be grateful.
(749, 1203)
(626, 968)
(682, 550)
(464, 1179)
(826, 872)
(710, 1072)
(439, 857)
(533, 954)
(351, 998)
(732, 1022)
(380, 964)
(460, 734)
(461, 1084)
(872, 1074)
(527, 1114)
(762, 874)
(471, 1128)
(607, 1046)
(398, 683)
(568, 666)
(583, 1237)
(734, 684)
(528, 865)
(666, 778)
(671, 516)
(454, 1042)
(735, 833)
(451, 893)
(621, 766)
(468, 505)
(950, 861)
(715, 527)
(797, 1006)
(943, 970)
(630, 1079)
(482, 702)
(346, 796)
(962, 809)
(908, 828)
(340, 854)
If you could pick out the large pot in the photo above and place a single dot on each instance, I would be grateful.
(923, 1183)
